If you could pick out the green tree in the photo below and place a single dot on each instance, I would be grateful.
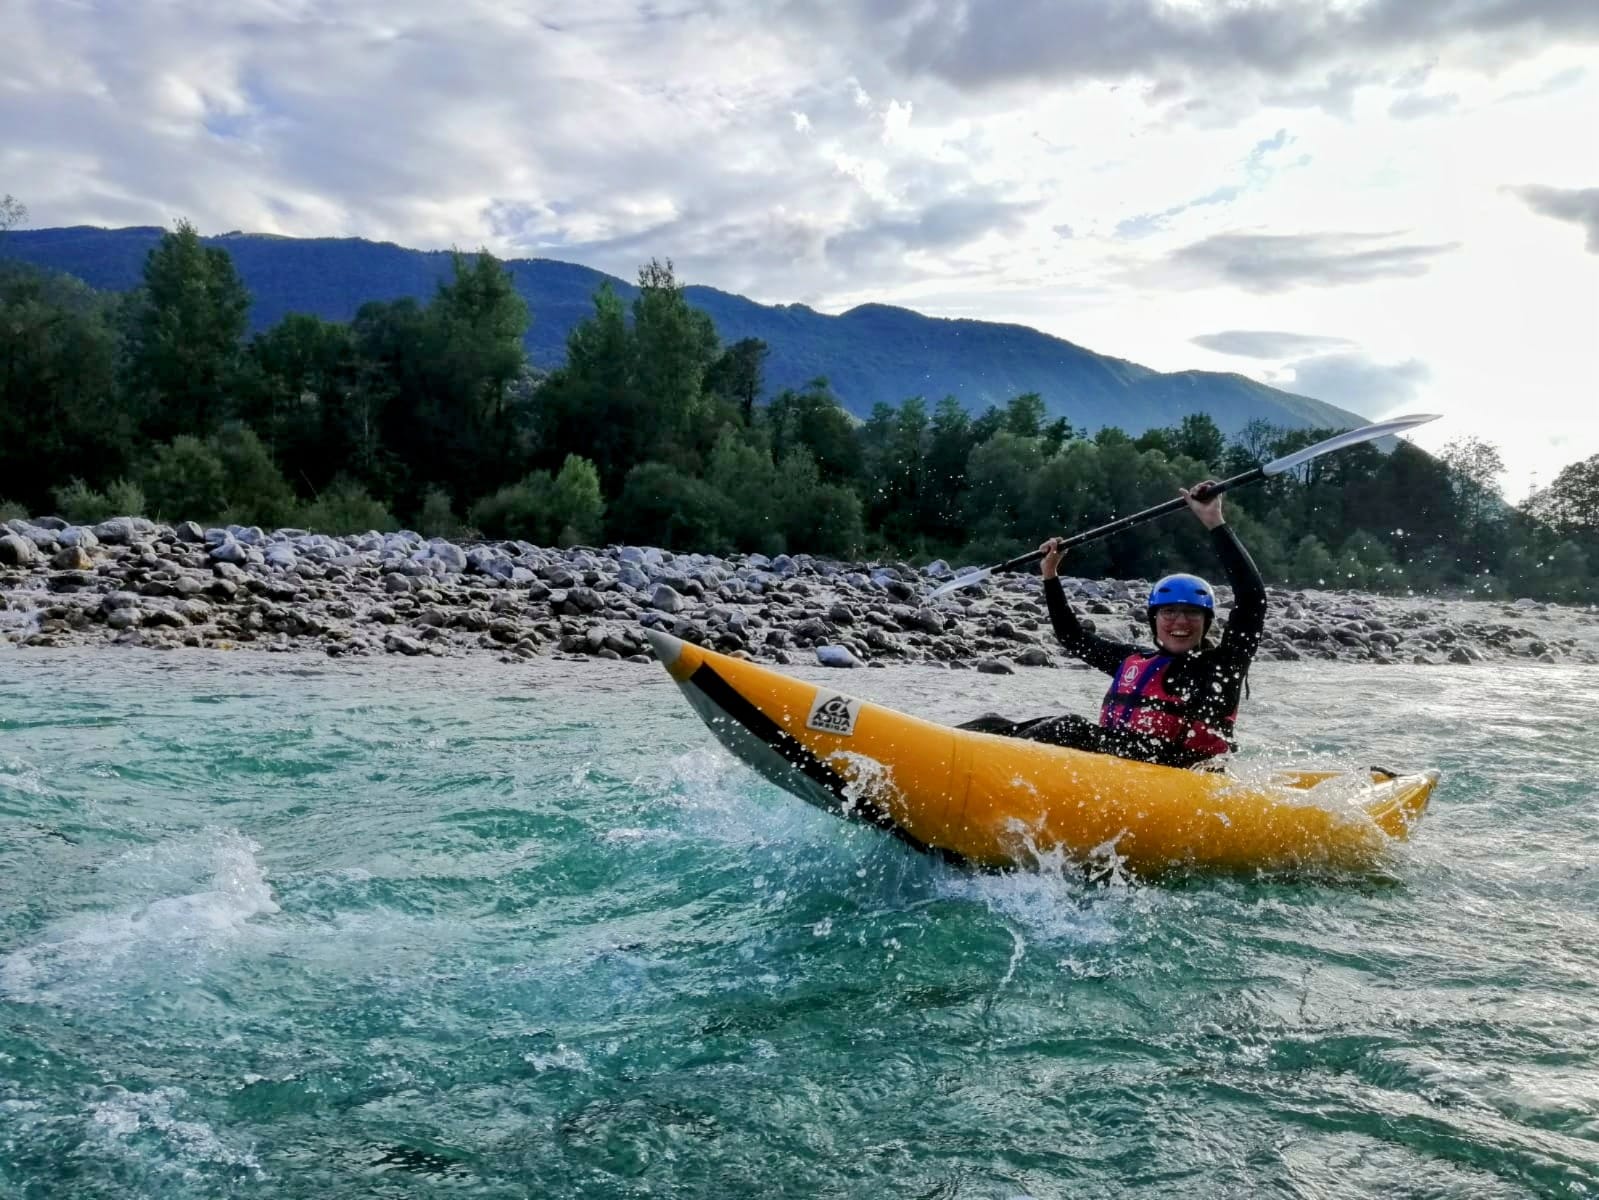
(815, 516)
(518, 510)
(564, 510)
(13, 212)
(1365, 562)
(300, 395)
(1313, 565)
(577, 508)
(1251, 446)
(815, 420)
(1569, 574)
(185, 341)
(591, 401)
(736, 375)
(950, 440)
(1571, 502)
(1199, 438)
(662, 506)
(472, 350)
(1476, 466)
(674, 346)
(185, 481)
(743, 474)
(1056, 434)
(1024, 415)
(254, 489)
(58, 385)
(999, 477)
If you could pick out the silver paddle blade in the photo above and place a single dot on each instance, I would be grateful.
(960, 581)
(1351, 437)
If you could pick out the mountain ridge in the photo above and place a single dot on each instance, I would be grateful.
(871, 353)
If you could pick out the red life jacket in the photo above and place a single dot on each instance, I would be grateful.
(1139, 702)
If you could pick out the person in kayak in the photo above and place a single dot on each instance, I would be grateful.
(1174, 705)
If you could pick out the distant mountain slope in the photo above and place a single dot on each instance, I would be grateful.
(871, 353)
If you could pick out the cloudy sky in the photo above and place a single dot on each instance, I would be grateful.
(1392, 205)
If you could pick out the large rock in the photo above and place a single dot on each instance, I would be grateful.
(230, 551)
(666, 599)
(118, 531)
(925, 619)
(17, 551)
(837, 656)
(451, 556)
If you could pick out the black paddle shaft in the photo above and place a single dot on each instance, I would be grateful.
(1137, 518)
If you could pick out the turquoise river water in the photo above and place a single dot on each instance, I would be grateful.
(272, 926)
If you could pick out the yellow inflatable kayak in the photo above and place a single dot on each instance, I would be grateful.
(996, 802)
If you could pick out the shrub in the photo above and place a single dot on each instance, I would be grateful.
(565, 510)
(186, 481)
(346, 507)
(437, 518)
(125, 499)
(257, 493)
(577, 509)
(518, 510)
(1313, 566)
(662, 506)
(82, 505)
(837, 529)
(10, 510)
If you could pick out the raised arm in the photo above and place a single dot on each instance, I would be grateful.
(1248, 619)
(1100, 653)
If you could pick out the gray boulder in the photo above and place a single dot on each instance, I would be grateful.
(77, 535)
(666, 599)
(17, 551)
(118, 531)
(230, 551)
(451, 556)
(837, 656)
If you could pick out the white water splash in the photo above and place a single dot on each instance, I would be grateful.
(865, 779)
(125, 1114)
(81, 954)
(562, 1058)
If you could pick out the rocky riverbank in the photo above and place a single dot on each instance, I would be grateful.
(128, 581)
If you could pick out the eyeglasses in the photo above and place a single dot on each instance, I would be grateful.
(1172, 611)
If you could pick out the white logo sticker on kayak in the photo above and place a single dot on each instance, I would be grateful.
(832, 713)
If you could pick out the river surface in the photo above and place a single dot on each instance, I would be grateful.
(273, 926)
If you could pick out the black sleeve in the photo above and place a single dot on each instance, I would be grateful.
(1247, 621)
(1100, 653)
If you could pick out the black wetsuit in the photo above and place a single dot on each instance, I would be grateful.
(1210, 680)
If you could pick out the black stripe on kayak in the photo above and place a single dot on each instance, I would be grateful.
(794, 752)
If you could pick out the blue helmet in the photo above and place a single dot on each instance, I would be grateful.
(1183, 589)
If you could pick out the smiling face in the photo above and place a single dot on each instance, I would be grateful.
(1179, 628)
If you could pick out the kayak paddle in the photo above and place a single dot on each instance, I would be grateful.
(1351, 437)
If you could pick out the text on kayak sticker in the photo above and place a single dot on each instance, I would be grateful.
(832, 713)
